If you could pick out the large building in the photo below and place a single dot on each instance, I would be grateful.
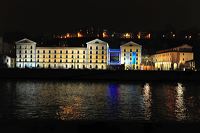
(174, 58)
(97, 55)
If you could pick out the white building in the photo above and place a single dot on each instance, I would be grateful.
(94, 56)
(131, 55)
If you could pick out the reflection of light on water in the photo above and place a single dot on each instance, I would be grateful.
(147, 101)
(68, 112)
(180, 105)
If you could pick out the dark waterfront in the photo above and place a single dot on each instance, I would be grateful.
(67, 100)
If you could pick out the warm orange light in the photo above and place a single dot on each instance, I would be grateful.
(105, 35)
(139, 35)
(79, 34)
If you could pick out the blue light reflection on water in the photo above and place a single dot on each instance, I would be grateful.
(83, 100)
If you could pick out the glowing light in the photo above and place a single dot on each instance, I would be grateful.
(180, 105)
(105, 35)
(147, 100)
(127, 35)
(79, 35)
(139, 35)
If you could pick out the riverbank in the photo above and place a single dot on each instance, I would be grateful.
(116, 75)
(99, 75)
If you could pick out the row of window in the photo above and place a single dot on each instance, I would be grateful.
(98, 47)
(130, 54)
(61, 56)
(67, 66)
(20, 47)
(66, 61)
(130, 50)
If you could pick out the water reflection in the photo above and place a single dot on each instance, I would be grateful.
(92, 101)
(147, 101)
(180, 105)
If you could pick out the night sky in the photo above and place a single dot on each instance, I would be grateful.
(36, 16)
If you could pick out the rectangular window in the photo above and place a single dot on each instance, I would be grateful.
(90, 61)
(96, 47)
(54, 56)
(102, 57)
(102, 47)
(44, 51)
(90, 52)
(83, 52)
(102, 52)
(96, 57)
(96, 52)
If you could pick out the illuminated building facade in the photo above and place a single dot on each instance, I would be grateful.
(96, 55)
(172, 59)
(131, 55)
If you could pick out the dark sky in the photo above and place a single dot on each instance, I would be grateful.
(62, 15)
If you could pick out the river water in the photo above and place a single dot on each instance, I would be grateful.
(67, 100)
